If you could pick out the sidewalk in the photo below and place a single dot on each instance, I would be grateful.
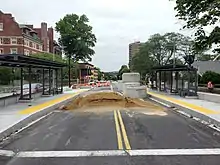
(13, 114)
(209, 111)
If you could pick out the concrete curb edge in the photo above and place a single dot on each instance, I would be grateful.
(188, 111)
(32, 117)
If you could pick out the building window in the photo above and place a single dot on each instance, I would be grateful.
(26, 43)
(1, 26)
(40, 47)
(34, 45)
(13, 40)
(1, 41)
(31, 44)
(26, 52)
(14, 50)
(1, 51)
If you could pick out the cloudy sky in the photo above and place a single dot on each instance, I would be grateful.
(116, 23)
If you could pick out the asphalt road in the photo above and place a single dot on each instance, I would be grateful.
(125, 137)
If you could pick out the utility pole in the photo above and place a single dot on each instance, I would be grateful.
(69, 71)
(53, 70)
(174, 56)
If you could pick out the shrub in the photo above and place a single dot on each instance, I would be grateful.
(210, 76)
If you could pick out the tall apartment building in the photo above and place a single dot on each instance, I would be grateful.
(133, 50)
(25, 39)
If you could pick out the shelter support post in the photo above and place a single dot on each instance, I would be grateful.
(177, 81)
(182, 82)
(29, 75)
(43, 77)
(56, 74)
(49, 81)
(21, 94)
(156, 80)
(196, 82)
(69, 72)
(159, 80)
(171, 82)
(188, 84)
(165, 79)
(61, 72)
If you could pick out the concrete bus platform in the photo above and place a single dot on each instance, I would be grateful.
(21, 114)
(205, 110)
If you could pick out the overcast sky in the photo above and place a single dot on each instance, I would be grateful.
(116, 23)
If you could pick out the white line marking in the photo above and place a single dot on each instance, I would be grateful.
(70, 153)
(68, 141)
(6, 153)
(166, 105)
(184, 113)
(173, 152)
(147, 152)
(33, 122)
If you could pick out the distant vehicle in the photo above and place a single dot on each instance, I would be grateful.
(35, 88)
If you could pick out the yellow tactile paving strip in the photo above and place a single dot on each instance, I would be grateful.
(46, 104)
(185, 104)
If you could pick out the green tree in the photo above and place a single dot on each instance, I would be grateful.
(49, 56)
(142, 62)
(123, 69)
(160, 50)
(99, 74)
(6, 75)
(163, 47)
(210, 76)
(76, 37)
(199, 14)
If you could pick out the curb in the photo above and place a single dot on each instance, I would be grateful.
(32, 117)
(186, 110)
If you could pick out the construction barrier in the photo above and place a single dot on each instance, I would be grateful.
(92, 85)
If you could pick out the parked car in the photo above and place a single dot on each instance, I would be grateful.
(35, 88)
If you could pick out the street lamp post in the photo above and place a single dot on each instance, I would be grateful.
(69, 71)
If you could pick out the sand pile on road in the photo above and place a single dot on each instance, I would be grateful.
(108, 99)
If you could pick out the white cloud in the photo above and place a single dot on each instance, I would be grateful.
(116, 23)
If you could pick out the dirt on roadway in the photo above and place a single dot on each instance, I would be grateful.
(109, 100)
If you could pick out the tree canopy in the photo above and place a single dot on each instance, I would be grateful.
(123, 69)
(198, 15)
(49, 56)
(160, 50)
(76, 37)
(6, 75)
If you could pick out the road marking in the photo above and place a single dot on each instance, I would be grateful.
(6, 153)
(33, 122)
(185, 104)
(47, 104)
(118, 132)
(126, 141)
(105, 153)
(68, 141)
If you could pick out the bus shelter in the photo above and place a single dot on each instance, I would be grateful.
(51, 73)
(178, 79)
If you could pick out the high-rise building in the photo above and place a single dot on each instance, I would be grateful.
(133, 50)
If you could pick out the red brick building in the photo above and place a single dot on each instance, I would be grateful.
(87, 72)
(25, 39)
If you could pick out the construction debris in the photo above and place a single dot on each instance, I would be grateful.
(108, 99)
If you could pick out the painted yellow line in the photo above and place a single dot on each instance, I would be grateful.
(46, 104)
(185, 104)
(125, 137)
(118, 132)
